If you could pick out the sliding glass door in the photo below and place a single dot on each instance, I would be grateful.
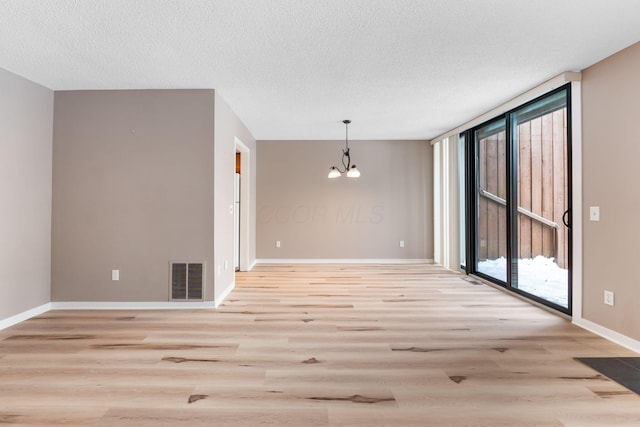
(521, 180)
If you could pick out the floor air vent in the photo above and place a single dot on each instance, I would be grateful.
(186, 281)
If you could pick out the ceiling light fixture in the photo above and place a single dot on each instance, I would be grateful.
(351, 170)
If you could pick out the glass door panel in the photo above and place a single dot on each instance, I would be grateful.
(541, 139)
(491, 193)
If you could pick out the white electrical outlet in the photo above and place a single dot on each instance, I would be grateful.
(609, 298)
(115, 275)
(277, 243)
(402, 243)
(594, 213)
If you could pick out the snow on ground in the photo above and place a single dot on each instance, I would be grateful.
(539, 276)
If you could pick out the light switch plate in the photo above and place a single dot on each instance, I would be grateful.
(115, 274)
(594, 213)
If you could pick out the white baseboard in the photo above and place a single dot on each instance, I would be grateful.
(344, 261)
(225, 294)
(125, 305)
(25, 315)
(608, 334)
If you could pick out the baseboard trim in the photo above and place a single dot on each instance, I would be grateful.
(125, 305)
(345, 261)
(225, 294)
(25, 315)
(608, 334)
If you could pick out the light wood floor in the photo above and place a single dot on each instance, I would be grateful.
(311, 345)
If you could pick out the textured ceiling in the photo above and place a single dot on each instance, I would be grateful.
(294, 69)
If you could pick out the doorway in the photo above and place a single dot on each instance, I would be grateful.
(236, 214)
(244, 249)
(521, 198)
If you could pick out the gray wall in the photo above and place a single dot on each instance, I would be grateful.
(26, 121)
(315, 217)
(133, 189)
(611, 151)
(228, 128)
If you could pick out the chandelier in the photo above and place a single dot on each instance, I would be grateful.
(351, 170)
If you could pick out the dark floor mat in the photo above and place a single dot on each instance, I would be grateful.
(623, 370)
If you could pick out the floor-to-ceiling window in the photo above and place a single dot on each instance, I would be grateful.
(461, 184)
(519, 232)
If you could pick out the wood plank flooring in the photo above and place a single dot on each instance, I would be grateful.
(315, 345)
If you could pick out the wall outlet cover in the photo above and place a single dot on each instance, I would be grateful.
(609, 298)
